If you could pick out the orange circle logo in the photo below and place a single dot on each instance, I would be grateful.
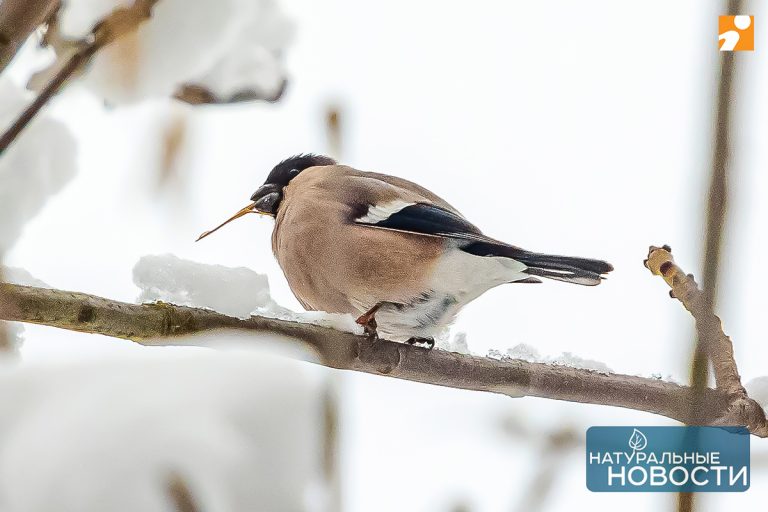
(736, 33)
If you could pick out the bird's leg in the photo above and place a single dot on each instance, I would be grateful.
(368, 321)
(429, 342)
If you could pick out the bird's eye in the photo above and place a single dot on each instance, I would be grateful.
(293, 173)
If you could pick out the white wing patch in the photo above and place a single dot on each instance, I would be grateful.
(381, 212)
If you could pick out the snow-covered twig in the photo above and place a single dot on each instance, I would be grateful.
(18, 18)
(222, 51)
(196, 94)
(716, 344)
(77, 60)
(119, 23)
(159, 324)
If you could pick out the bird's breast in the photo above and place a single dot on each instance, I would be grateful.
(334, 265)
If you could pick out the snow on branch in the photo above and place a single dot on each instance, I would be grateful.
(18, 19)
(163, 324)
(38, 166)
(223, 51)
(119, 23)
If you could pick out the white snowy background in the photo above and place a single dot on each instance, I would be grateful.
(579, 128)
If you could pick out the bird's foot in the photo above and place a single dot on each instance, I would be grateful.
(369, 328)
(429, 342)
(368, 321)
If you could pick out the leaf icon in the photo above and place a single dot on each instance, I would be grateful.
(637, 441)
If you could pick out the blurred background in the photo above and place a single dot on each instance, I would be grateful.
(563, 127)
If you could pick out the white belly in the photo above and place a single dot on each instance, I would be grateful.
(457, 280)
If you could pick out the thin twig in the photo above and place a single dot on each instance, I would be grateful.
(163, 324)
(715, 223)
(74, 63)
(18, 19)
(119, 23)
(331, 449)
(716, 210)
(708, 326)
(5, 339)
(715, 343)
(196, 94)
(549, 463)
(180, 494)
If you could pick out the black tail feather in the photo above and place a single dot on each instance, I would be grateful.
(576, 276)
(549, 261)
(570, 269)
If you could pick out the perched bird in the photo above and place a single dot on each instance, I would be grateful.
(388, 251)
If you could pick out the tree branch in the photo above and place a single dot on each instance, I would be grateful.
(715, 224)
(196, 94)
(163, 324)
(716, 344)
(74, 63)
(119, 23)
(18, 18)
(5, 340)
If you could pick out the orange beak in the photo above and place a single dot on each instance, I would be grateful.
(244, 211)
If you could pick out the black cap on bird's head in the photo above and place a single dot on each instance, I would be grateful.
(266, 199)
(268, 196)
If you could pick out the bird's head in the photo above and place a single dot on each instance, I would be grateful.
(267, 198)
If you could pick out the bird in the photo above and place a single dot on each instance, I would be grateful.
(393, 254)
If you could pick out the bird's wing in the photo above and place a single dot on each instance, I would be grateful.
(409, 188)
(389, 203)
(431, 220)
(421, 218)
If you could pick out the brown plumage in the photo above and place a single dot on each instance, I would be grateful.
(361, 266)
(387, 250)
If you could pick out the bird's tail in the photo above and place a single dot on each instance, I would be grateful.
(569, 269)
(583, 271)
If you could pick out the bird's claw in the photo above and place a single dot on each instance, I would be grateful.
(370, 329)
(368, 321)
